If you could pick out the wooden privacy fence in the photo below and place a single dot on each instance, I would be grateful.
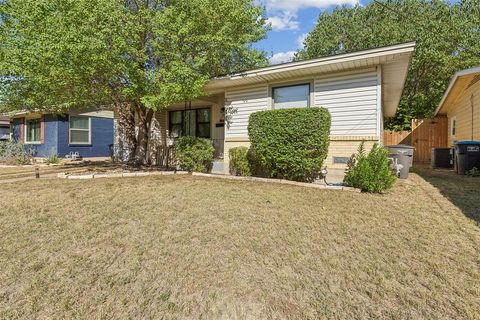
(425, 135)
(397, 137)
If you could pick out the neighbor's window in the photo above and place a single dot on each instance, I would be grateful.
(453, 127)
(194, 123)
(32, 131)
(79, 130)
(297, 96)
(4, 133)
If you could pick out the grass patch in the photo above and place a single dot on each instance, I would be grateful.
(176, 247)
(463, 191)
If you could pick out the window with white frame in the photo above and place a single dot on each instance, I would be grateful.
(453, 127)
(295, 96)
(32, 131)
(80, 130)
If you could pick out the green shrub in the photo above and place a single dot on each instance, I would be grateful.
(194, 154)
(370, 173)
(13, 152)
(53, 159)
(474, 172)
(289, 143)
(239, 164)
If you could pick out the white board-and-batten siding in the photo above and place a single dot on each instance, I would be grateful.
(353, 100)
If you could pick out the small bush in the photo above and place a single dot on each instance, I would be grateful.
(53, 159)
(239, 164)
(14, 152)
(474, 172)
(194, 154)
(370, 173)
(289, 143)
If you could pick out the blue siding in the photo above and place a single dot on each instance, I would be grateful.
(16, 129)
(49, 146)
(56, 137)
(102, 138)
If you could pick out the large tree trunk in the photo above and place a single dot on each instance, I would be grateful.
(144, 120)
(125, 140)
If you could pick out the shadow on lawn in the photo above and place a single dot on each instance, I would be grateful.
(462, 191)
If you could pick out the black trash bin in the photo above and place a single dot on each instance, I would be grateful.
(467, 156)
(404, 156)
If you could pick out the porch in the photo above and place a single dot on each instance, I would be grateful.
(204, 117)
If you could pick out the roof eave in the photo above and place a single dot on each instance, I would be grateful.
(454, 80)
(389, 50)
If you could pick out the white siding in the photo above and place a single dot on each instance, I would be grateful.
(352, 101)
(239, 104)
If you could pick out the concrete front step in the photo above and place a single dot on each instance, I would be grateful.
(218, 167)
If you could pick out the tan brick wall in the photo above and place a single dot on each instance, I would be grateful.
(345, 148)
(233, 144)
(340, 146)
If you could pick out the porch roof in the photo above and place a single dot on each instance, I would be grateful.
(395, 61)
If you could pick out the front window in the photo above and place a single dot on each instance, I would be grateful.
(79, 130)
(453, 127)
(297, 96)
(194, 123)
(4, 133)
(32, 131)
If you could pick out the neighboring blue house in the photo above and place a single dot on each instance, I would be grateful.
(4, 128)
(90, 134)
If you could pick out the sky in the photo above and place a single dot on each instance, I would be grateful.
(291, 21)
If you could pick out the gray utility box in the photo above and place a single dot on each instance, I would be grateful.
(467, 156)
(442, 158)
(404, 157)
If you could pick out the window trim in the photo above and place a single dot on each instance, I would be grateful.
(209, 122)
(298, 84)
(25, 130)
(182, 124)
(70, 143)
(452, 121)
(170, 124)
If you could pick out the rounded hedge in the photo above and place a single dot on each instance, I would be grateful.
(290, 143)
(194, 154)
(239, 165)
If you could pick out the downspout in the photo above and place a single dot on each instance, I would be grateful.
(473, 108)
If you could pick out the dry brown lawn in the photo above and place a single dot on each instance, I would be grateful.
(182, 247)
(19, 173)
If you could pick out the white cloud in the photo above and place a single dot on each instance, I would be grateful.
(301, 40)
(283, 23)
(282, 57)
(284, 12)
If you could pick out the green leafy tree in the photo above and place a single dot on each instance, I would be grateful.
(447, 35)
(136, 55)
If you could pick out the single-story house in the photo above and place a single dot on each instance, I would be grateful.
(359, 89)
(4, 128)
(461, 104)
(89, 133)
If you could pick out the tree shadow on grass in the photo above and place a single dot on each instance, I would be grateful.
(462, 191)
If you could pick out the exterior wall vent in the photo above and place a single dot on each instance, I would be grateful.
(340, 160)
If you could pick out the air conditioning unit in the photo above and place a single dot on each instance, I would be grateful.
(442, 158)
